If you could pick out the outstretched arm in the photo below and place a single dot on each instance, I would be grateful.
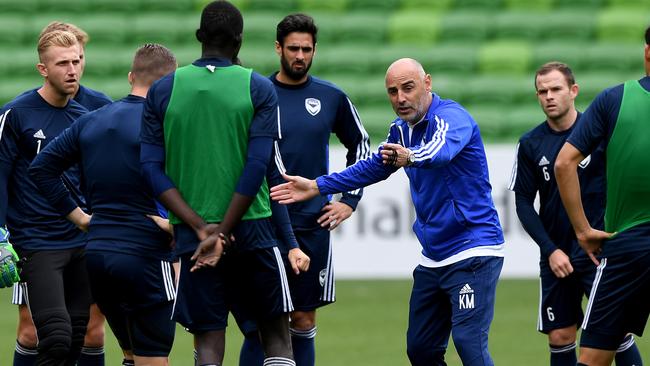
(297, 189)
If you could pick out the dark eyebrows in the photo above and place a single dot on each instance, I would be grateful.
(409, 83)
(296, 48)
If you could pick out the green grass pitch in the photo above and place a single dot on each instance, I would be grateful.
(367, 327)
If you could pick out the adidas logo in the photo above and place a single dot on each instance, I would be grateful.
(543, 161)
(466, 290)
(39, 135)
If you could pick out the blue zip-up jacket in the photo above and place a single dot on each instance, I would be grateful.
(449, 180)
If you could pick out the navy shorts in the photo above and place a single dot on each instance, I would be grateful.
(251, 283)
(314, 288)
(561, 298)
(136, 295)
(458, 298)
(618, 302)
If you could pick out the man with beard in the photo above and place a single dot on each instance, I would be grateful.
(310, 110)
(566, 273)
(439, 146)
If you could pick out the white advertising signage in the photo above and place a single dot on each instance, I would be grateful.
(378, 241)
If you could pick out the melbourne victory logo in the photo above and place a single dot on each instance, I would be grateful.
(312, 105)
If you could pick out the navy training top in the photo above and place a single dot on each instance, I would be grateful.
(533, 172)
(309, 113)
(106, 144)
(27, 125)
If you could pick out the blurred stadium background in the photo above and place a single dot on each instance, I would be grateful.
(482, 53)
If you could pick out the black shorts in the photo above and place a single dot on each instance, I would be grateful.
(251, 283)
(54, 281)
(314, 288)
(561, 298)
(136, 295)
(618, 302)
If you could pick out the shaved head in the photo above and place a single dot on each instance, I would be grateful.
(406, 65)
(409, 89)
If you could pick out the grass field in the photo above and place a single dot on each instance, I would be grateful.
(367, 327)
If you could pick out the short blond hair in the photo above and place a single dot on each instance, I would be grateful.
(82, 37)
(55, 38)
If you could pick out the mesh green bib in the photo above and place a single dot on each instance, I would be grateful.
(628, 162)
(206, 139)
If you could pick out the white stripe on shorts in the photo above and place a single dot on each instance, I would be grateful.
(594, 289)
(286, 295)
(168, 280)
(329, 290)
(540, 324)
(180, 264)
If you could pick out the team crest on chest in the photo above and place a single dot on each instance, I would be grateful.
(312, 105)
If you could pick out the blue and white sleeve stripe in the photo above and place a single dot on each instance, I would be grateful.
(3, 118)
(513, 174)
(363, 148)
(429, 150)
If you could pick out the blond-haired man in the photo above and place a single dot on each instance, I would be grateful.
(92, 353)
(54, 278)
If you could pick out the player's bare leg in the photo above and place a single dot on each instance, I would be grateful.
(128, 357)
(26, 331)
(25, 353)
(303, 320)
(210, 347)
(96, 332)
(92, 352)
(151, 361)
(274, 334)
(596, 357)
(562, 344)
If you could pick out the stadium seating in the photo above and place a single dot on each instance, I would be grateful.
(18, 7)
(359, 28)
(106, 28)
(413, 27)
(614, 57)
(571, 53)
(319, 5)
(505, 57)
(575, 25)
(463, 26)
(259, 28)
(12, 30)
(529, 4)
(478, 4)
(427, 5)
(482, 53)
(520, 25)
(623, 24)
(373, 5)
(580, 4)
(276, 5)
(168, 29)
